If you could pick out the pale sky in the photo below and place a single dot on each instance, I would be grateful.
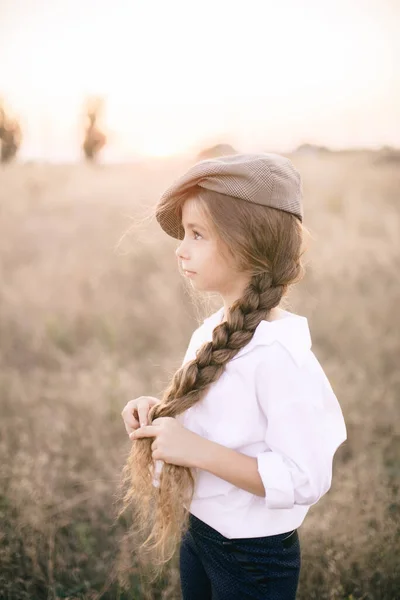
(178, 74)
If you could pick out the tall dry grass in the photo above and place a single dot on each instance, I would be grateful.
(85, 325)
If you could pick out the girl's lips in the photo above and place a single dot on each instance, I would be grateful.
(189, 273)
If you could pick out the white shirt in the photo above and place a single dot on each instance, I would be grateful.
(274, 402)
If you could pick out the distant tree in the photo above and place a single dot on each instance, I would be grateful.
(10, 135)
(94, 139)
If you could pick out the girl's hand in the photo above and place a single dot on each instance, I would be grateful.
(173, 443)
(135, 412)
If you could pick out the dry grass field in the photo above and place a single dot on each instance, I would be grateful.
(89, 321)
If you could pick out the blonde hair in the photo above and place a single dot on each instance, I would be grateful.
(268, 244)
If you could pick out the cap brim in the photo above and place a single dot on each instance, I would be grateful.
(170, 222)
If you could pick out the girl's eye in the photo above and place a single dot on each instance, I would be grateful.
(196, 233)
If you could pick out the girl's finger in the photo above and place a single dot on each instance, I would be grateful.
(146, 431)
(129, 430)
(129, 415)
(131, 425)
(154, 445)
(159, 420)
(143, 412)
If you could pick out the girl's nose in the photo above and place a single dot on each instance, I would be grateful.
(179, 252)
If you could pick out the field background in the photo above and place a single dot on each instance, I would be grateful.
(89, 320)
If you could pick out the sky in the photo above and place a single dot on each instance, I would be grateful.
(178, 75)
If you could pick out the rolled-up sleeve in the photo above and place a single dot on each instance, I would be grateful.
(305, 426)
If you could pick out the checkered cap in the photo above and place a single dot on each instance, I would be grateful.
(267, 179)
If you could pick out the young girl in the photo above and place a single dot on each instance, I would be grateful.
(244, 437)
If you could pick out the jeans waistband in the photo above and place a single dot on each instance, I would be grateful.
(206, 531)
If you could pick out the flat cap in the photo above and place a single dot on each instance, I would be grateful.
(266, 179)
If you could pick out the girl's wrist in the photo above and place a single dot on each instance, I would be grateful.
(200, 452)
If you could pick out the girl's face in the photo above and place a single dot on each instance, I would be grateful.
(200, 254)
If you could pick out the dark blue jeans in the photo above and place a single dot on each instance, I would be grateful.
(213, 567)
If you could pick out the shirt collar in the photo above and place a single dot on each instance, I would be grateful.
(292, 331)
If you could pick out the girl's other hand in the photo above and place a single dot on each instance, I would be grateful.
(135, 412)
(173, 443)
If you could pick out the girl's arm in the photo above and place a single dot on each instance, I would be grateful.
(237, 468)
(305, 426)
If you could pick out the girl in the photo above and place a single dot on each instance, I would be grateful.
(244, 437)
